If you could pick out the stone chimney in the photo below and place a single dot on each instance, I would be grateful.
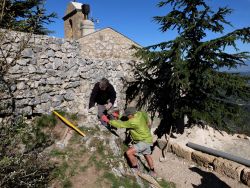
(87, 26)
(76, 21)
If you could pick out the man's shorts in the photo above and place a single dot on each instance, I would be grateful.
(143, 148)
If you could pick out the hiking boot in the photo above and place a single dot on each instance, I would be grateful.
(154, 175)
(135, 171)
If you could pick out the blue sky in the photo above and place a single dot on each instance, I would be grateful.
(134, 18)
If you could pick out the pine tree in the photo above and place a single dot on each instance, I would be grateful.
(25, 15)
(182, 76)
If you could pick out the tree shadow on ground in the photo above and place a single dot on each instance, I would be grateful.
(166, 124)
(208, 179)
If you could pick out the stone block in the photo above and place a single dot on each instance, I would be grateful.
(181, 151)
(246, 176)
(202, 159)
(228, 168)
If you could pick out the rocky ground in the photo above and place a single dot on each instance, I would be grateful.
(186, 174)
(89, 170)
(235, 144)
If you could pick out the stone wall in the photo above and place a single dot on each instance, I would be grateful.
(52, 74)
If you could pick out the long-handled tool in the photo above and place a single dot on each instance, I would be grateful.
(69, 123)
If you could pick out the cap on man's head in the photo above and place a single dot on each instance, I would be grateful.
(130, 111)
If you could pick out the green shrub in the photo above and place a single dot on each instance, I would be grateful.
(46, 121)
(165, 184)
(121, 181)
(22, 164)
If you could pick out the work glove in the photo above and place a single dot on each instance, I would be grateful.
(105, 119)
(116, 115)
(109, 105)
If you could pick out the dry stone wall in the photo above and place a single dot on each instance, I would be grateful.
(52, 74)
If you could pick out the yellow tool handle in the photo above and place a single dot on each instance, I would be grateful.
(69, 123)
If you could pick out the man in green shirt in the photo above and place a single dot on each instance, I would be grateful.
(139, 126)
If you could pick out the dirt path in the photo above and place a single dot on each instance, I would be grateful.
(186, 174)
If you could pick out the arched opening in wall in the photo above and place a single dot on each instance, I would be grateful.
(71, 29)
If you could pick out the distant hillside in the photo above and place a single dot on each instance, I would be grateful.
(243, 126)
(245, 73)
(239, 69)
